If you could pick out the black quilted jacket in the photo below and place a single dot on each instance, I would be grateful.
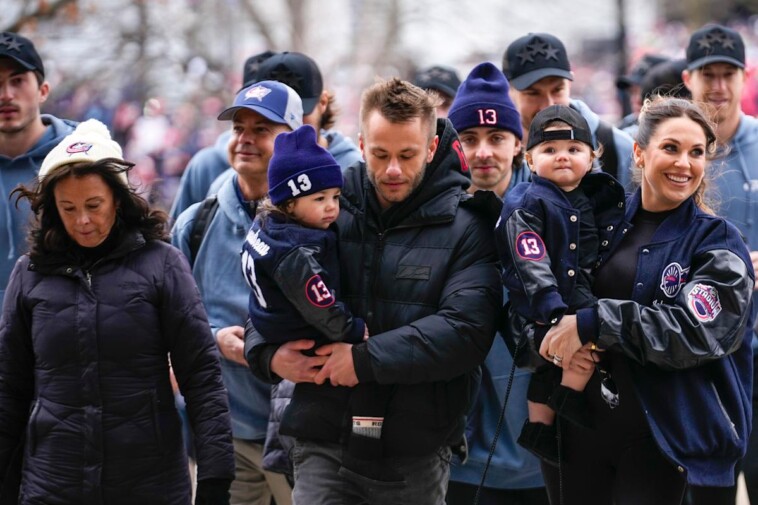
(84, 375)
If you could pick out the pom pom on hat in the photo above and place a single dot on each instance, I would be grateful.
(90, 141)
(483, 100)
(300, 166)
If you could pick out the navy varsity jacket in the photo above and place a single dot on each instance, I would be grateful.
(686, 331)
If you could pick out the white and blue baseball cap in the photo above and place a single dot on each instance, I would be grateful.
(271, 99)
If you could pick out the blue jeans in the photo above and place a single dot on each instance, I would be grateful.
(321, 478)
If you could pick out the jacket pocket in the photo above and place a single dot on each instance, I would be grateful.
(724, 412)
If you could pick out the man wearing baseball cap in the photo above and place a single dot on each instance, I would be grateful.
(442, 80)
(716, 76)
(26, 137)
(299, 72)
(538, 68)
(260, 112)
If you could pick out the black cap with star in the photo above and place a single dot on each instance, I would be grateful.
(21, 50)
(715, 44)
(439, 78)
(297, 71)
(251, 67)
(533, 57)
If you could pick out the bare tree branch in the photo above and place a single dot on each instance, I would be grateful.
(260, 23)
(45, 10)
(298, 36)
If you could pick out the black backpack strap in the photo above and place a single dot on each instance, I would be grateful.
(203, 220)
(609, 159)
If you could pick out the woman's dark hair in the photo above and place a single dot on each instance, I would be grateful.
(48, 235)
(658, 109)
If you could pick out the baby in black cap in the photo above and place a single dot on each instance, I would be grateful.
(551, 234)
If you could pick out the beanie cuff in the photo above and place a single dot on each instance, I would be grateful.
(306, 183)
(488, 115)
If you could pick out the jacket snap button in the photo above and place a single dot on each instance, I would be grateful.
(610, 228)
(571, 273)
(646, 251)
(604, 243)
(639, 284)
(573, 219)
(621, 204)
(681, 470)
(69, 270)
(572, 246)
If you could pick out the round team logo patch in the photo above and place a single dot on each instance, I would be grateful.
(78, 147)
(530, 246)
(673, 278)
(317, 292)
(703, 302)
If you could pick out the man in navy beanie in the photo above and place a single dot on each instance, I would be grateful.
(489, 127)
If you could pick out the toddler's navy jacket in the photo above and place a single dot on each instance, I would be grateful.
(293, 272)
(538, 241)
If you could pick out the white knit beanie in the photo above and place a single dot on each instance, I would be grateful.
(90, 141)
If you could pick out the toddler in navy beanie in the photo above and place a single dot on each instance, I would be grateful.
(290, 261)
(300, 166)
(483, 100)
(289, 257)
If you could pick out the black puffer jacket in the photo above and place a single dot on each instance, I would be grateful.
(84, 373)
(426, 282)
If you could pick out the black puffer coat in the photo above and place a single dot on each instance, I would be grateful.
(84, 374)
(426, 282)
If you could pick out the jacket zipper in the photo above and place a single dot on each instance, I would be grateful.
(724, 412)
(89, 278)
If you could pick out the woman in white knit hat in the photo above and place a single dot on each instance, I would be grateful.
(91, 315)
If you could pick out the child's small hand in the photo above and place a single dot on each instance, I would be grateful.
(365, 333)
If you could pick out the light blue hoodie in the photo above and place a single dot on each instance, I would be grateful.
(734, 183)
(225, 293)
(207, 164)
(23, 170)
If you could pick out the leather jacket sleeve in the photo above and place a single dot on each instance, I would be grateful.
(298, 276)
(705, 321)
(527, 272)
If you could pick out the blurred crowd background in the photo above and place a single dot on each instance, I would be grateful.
(159, 71)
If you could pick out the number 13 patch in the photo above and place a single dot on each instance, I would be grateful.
(317, 292)
(530, 246)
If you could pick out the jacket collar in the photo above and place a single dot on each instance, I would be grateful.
(435, 200)
(675, 225)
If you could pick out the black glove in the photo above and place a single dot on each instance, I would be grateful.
(213, 492)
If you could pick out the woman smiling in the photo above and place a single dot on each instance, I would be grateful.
(670, 403)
